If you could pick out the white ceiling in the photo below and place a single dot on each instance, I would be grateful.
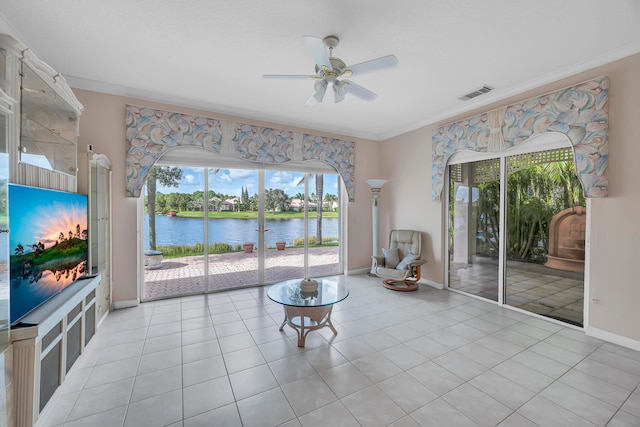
(211, 54)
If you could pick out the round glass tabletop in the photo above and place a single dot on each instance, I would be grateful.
(289, 293)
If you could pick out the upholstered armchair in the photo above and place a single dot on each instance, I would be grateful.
(401, 260)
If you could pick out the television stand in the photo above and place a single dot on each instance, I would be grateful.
(47, 342)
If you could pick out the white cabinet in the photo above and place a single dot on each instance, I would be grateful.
(99, 175)
(44, 353)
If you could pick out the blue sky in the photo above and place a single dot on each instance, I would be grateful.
(231, 181)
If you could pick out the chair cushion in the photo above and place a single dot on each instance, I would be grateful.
(391, 273)
(406, 261)
(391, 257)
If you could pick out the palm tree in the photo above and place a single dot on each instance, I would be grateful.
(215, 204)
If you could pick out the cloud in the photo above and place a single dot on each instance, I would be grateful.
(189, 179)
(241, 173)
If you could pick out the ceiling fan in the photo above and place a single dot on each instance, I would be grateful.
(329, 71)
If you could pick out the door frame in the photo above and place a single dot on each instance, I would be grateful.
(542, 142)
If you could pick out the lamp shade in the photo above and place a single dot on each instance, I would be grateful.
(376, 183)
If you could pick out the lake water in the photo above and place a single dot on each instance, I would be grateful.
(188, 231)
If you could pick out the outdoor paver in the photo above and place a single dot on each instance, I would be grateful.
(185, 275)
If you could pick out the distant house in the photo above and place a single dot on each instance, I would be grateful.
(297, 205)
(229, 205)
(329, 205)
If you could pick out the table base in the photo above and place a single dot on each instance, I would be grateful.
(307, 319)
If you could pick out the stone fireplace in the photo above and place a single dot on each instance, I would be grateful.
(567, 240)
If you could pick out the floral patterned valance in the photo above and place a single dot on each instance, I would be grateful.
(580, 112)
(151, 133)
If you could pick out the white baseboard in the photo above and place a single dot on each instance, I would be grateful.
(612, 338)
(104, 316)
(117, 305)
(358, 271)
(430, 283)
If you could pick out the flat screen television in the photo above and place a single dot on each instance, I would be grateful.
(47, 243)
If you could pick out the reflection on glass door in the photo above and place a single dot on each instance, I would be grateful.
(546, 218)
(174, 232)
(233, 228)
(284, 224)
(474, 218)
(323, 225)
(300, 242)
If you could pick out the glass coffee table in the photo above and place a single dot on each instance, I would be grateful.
(307, 311)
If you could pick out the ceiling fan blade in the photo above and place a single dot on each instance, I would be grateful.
(360, 92)
(311, 101)
(288, 76)
(374, 65)
(318, 51)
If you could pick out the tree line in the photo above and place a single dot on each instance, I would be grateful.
(275, 199)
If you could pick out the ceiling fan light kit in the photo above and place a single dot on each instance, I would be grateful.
(329, 70)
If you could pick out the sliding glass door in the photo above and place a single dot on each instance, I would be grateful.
(174, 208)
(474, 227)
(537, 262)
(546, 221)
(260, 227)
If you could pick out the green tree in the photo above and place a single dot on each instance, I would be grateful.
(161, 203)
(276, 199)
(330, 199)
(168, 177)
(253, 203)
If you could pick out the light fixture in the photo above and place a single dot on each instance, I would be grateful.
(320, 87)
(340, 89)
(376, 186)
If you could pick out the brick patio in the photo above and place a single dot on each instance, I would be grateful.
(185, 275)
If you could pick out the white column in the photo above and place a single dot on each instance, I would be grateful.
(376, 186)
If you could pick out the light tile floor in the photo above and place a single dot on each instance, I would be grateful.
(431, 357)
(531, 287)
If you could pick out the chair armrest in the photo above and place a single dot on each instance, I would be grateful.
(418, 262)
(377, 260)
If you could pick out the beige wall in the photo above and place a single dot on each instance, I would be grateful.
(615, 228)
(103, 125)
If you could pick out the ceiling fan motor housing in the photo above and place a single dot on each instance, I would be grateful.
(338, 66)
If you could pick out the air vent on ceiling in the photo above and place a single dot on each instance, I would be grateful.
(484, 89)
